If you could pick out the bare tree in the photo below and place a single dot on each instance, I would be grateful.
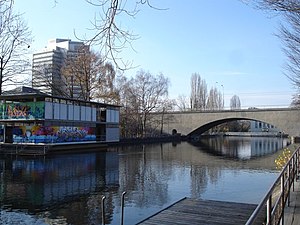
(291, 39)
(44, 78)
(109, 35)
(235, 102)
(198, 98)
(86, 76)
(194, 89)
(144, 94)
(166, 105)
(295, 101)
(15, 39)
(215, 99)
(81, 74)
(275, 5)
(182, 103)
(106, 89)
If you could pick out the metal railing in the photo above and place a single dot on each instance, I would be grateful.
(279, 193)
(122, 209)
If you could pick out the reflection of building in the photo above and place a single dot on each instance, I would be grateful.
(47, 65)
(2, 168)
(43, 184)
(243, 147)
(30, 116)
(264, 146)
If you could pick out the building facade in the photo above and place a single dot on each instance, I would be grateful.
(258, 126)
(47, 65)
(30, 116)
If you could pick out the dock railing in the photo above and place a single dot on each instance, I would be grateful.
(278, 195)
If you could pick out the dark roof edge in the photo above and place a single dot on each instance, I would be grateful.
(24, 92)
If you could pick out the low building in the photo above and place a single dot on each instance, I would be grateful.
(30, 116)
(258, 126)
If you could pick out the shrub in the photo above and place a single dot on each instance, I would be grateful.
(283, 158)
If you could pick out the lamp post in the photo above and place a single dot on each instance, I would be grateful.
(223, 95)
(223, 102)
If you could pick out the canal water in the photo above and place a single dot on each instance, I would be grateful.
(67, 189)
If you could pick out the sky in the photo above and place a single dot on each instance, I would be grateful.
(230, 44)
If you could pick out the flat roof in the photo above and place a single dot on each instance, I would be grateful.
(28, 93)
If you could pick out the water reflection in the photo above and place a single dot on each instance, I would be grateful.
(43, 184)
(67, 189)
(242, 148)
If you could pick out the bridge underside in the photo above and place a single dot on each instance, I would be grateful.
(210, 125)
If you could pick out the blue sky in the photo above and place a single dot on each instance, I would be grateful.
(227, 42)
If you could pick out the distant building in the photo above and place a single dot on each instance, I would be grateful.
(29, 116)
(258, 126)
(47, 65)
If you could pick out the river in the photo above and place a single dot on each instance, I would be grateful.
(68, 188)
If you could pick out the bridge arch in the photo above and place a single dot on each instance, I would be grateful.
(200, 130)
(186, 123)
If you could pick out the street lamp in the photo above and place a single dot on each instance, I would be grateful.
(223, 95)
(223, 104)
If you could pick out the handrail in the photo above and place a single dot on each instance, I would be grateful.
(122, 208)
(286, 178)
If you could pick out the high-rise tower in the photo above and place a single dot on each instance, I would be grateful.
(47, 65)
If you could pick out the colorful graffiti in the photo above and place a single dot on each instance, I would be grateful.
(28, 110)
(52, 134)
(18, 111)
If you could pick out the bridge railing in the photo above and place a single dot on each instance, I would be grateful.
(279, 193)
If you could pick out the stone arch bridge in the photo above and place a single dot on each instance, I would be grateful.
(197, 122)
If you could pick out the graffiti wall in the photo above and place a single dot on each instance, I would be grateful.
(52, 134)
(23, 110)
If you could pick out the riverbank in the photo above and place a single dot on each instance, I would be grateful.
(255, 134)
(168, 138)
(44, 149)
(73, 147)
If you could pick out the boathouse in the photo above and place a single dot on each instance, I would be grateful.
(30, 116)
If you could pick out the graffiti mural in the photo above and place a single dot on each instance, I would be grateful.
(18, 111)
(28, 110)
(52, 134)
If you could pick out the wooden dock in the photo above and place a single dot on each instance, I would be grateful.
(206, 212)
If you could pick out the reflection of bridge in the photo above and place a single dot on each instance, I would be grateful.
(197, 122)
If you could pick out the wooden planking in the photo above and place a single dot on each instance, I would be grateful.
(208, 212)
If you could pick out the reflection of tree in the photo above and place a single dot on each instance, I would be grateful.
(146, 174)
(147, 182)
(201, 176)
(199, 180)
(214, 174)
